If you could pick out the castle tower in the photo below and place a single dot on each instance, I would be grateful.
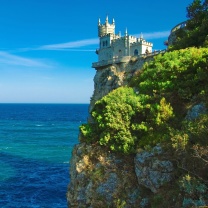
(113, 47)
(106, 33)
(106, 28)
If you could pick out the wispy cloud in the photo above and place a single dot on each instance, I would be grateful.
(155, 35)
(70, 45)
(77, 46)
(10, 59)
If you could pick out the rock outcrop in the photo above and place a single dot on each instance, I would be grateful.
(113, 76)
(152, 171)
(100, 178)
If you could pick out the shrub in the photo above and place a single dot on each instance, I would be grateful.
(152, 109)
(195, 192)
(123, 119)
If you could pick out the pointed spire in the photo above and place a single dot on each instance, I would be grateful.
(99, 21)
(141, 36)
(106, 20)
(113, 21)
(126, 33)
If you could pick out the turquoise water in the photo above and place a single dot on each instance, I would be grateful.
(36, 141)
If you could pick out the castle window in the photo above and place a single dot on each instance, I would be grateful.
(106, 43)
(103, 43)
(136, 52)
(119, 53)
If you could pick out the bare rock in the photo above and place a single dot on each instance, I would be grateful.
(100, 178)
(196, 111)
(151, 171)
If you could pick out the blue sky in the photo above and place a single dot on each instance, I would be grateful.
(47, 46)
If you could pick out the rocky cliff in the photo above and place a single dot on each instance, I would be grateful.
(100, 178)
(113, 76)
(156, 176)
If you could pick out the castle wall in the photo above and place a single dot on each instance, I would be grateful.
(135, 49)
(105, 54)
(114, 46)
(118, 47)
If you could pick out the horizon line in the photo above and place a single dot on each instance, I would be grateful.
(48, 103)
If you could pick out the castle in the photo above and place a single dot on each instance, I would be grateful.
(114, 48)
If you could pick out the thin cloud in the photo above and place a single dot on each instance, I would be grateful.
(10, 59)
(76, 46)
(155, 35)
(70, 45)
(71, 49)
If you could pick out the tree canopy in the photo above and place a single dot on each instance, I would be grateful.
(196, 32)
(151, 110)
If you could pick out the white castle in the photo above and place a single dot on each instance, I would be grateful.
(114, 48)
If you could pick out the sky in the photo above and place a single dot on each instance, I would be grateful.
(47, 47)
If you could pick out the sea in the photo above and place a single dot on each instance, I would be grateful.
(36, 142)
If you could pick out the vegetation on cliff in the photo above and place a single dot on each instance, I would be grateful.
(195, 32)
(165, 103)
(153, 107)
(156, 108)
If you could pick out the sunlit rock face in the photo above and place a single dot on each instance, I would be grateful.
(100, 178)
(113, 76)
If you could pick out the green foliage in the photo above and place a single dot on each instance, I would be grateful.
(89, 133)
(153, 108)
(181, 78)
(113, 116)
(125, 120)
(120, 203)
(179, 140)
(198, 130)
(195, 192)
(195, 33)
(174, 74)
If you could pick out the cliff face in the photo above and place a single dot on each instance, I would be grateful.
(100, 178)
(113, 76)
(172, 174)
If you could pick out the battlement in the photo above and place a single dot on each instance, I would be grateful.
(106, 28)
(142, 41)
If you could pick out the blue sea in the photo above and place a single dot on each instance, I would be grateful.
(36, 142)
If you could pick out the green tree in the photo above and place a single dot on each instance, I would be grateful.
(195, 33)
(113, 116)
(153, 108)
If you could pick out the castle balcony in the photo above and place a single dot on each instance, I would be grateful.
(115, 60)
(172, 36)
(125, 59)
(179, 26)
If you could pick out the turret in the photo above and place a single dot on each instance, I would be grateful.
(106, 28)
(126, 33)
(106, 20)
